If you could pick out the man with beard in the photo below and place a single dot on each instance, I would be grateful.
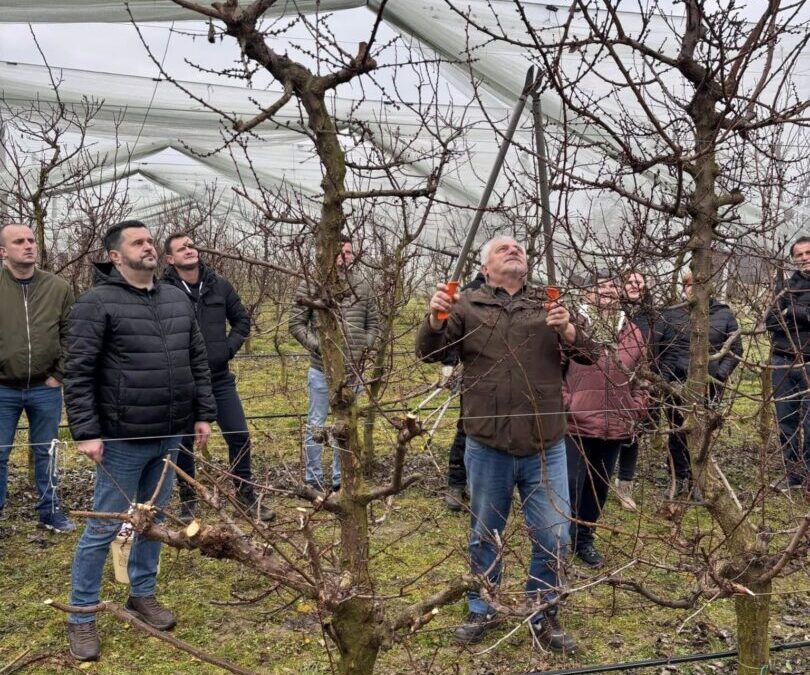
(511, 342)
(225, 325)
(136, 379)
(789, 325)
(35, 307)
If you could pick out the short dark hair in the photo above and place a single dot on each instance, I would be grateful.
(344, 238)
(167, 245)
(112, 237)
(800, 240)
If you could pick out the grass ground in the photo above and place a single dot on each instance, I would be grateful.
(281, 634)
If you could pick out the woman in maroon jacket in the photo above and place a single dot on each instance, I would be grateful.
(605, 401)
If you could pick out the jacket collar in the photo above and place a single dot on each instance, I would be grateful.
(104, 273)
(207, 276)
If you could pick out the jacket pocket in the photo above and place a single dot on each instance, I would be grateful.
(480, 410)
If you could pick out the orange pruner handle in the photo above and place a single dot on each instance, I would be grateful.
(553, 294)
(452, 289)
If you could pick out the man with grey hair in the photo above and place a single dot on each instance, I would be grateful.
(512, 342)
(35, 307)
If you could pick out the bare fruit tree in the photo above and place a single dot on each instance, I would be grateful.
(700, 128)
(366, 190)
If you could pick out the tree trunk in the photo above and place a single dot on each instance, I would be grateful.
(742, 542)
(356, 640)
(753, 638)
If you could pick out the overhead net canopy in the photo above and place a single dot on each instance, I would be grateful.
(177, 136)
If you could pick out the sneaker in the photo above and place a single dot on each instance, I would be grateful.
(454, 498)
(474, 628)
(83, 641)
(56, 521)
(624, 493)
(188, 511)
(590, 556)
(336, 487)
(149, 610)
(548, 634)
(254, 506)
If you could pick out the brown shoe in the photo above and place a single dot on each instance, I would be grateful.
(83, 641)
(152, 612)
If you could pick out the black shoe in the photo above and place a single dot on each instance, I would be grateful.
(188, 511)
(454, 498)
(253, 506)
(590, 556)
(687, 491)
(548, 634)
(336, 487)
(474, 628)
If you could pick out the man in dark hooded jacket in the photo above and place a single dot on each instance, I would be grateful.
(225, 326)
(789, 325)
(136, 379)
(669, 348)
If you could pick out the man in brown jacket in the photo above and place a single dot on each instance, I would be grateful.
(511, 343)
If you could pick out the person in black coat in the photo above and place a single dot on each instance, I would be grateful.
(225, 326)
(456, 473)
(136, 380)
(788, 322)
(670, 353)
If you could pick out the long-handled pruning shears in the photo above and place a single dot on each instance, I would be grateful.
(452, 285)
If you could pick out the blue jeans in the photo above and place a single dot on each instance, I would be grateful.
(316, 418)
(43, 407)
(128, 473)
(542, 483)
(792, 399)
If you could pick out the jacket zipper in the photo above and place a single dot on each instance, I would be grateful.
(24, 290)
(151, 300)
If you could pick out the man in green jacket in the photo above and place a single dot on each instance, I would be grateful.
(359, 320)
(34, 306)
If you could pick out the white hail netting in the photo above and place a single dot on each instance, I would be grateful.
(113, 11)
(131, 135)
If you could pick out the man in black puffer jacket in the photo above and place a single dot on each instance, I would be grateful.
(136, 379)
(670, 355)
(225, 326)
(789, 326)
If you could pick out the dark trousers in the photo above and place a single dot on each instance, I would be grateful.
(456, 472)
(232, 424)
(628, 459)
(678, 446)
(590, 466)
(790, 393)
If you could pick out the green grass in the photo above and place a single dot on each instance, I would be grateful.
(280, 634)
